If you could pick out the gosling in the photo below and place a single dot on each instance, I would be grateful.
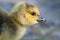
(12, 24)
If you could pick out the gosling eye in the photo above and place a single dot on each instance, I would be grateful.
(33, 13)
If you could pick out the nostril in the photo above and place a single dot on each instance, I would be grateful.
(42, 20)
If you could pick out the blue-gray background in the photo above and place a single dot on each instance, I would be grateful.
(49, 9)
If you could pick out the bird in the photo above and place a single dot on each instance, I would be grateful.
(13, 23)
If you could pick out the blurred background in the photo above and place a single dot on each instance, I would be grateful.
(49, 9)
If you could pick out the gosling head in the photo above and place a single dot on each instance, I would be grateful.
(25, 13)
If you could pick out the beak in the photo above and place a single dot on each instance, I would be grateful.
(42, 20)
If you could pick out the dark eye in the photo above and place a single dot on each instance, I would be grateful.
(33, 13)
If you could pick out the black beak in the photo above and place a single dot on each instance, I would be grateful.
(42, 20)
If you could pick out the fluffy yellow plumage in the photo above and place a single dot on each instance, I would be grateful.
(13, 27)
